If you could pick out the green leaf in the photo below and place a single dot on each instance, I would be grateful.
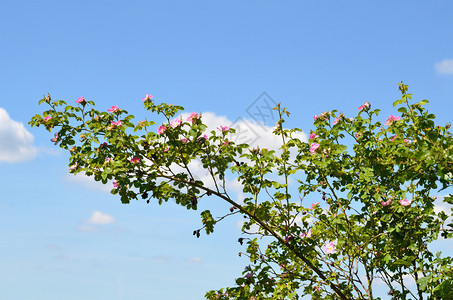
(397, 102)
(402, 109)
(423, 102)
(444, 290)
(423, 282)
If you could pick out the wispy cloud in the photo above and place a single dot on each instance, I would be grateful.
(95, 222)
(195, 260)
(16, 143)
(445, 67)
(100, 218)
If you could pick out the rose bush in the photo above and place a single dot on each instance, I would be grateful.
(372, 189)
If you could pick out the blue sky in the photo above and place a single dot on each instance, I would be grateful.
(64, 237)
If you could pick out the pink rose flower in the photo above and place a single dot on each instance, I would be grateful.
(393, 138)
(330, 248)
(80, 100)
(55, 139)
(147, 97)
(74, 166)
(392, 119)
(313, 148)
(117, 123)
(313, 136)
(115, 184)
(315, 117)
(166, 149)
(192, 116)
(405, 202)
(161, 129)
(175, 123)
(306, 235)
(47, 118)
(336, 121)
(135, 160)
(386, 203)
(114, 108)
(204, 136)
(223, 128)
(313, 205)
(364, 105)
(184, 140)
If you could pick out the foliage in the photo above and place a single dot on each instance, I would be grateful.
(377, 184)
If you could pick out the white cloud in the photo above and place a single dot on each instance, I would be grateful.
(16, 143)
(100, 218)
(445, 67)
(195, 260)
(247, 131)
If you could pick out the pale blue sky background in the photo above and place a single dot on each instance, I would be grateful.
(208, 56)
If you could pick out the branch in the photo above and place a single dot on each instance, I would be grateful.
(293, 249)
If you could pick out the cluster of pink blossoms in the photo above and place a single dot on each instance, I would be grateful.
(47, 118)
(392, 119)
(403, 202)
(177, 122)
